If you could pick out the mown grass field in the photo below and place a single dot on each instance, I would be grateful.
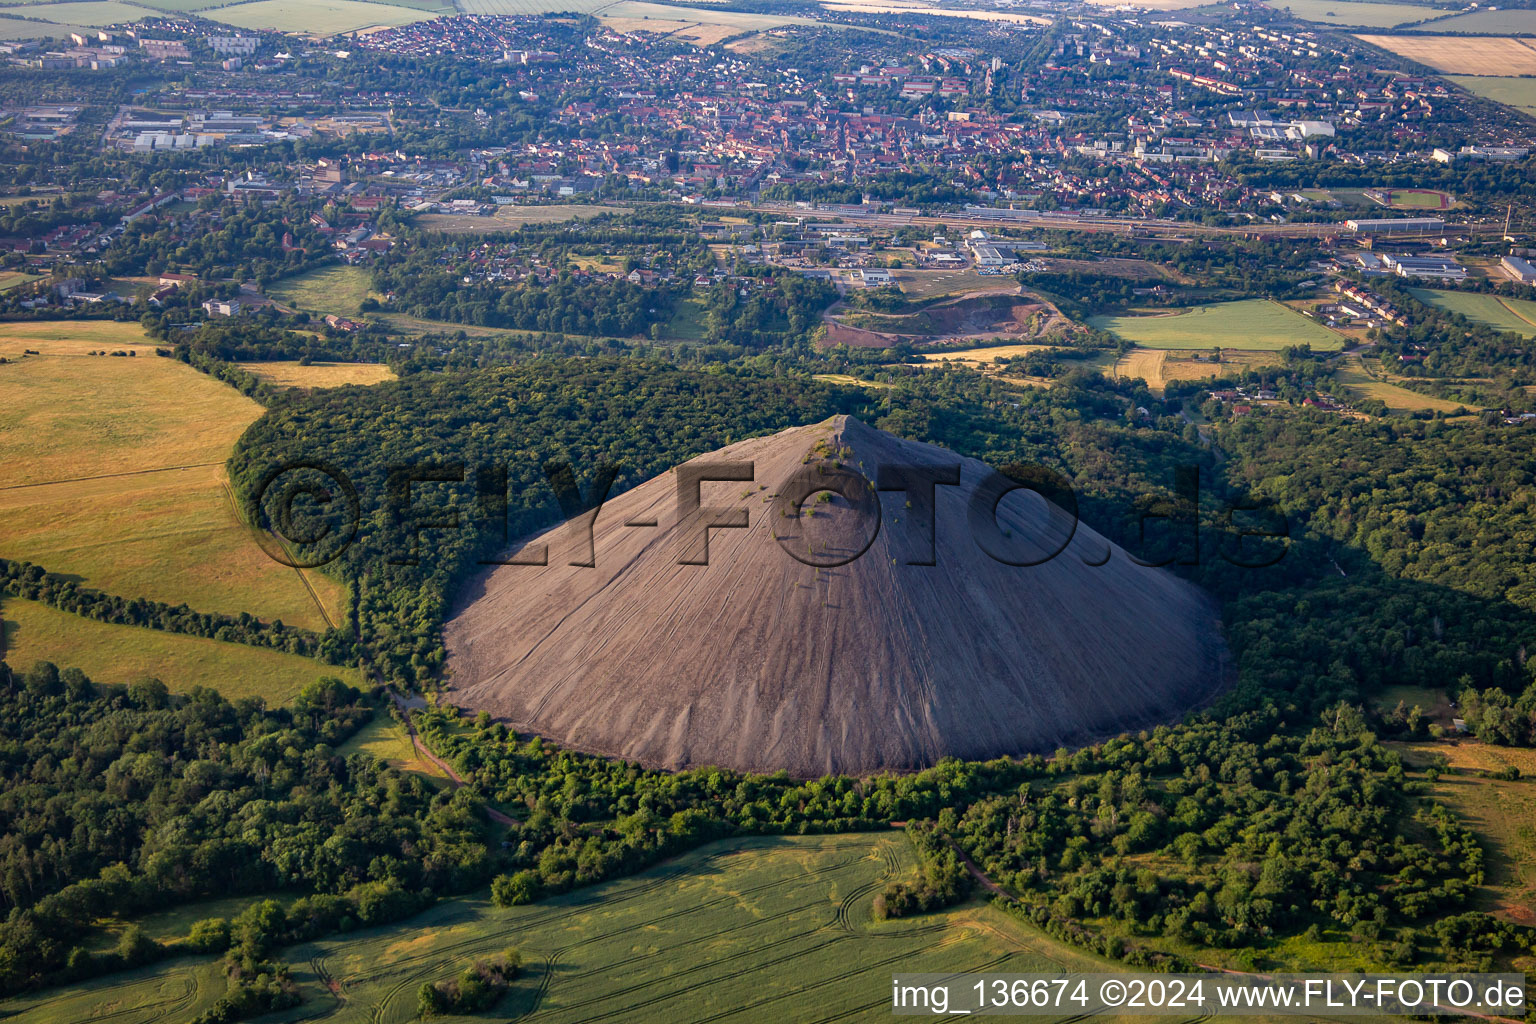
(110, 653)
(1518, 315)
(1159, 366)
(317, 17)
(772, 929)
(320, 375)
(1353, 374)
(1249, 324)
(115, 474)
(507, 218)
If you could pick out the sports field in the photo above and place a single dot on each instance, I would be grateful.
(1418, 199)
(1249, 324)
(1366, 15)
(320, 375)
(773, 929)
(1519, 93)
(116, 475)
(1517, 315)
(316, 17)
(1464, 55)
(110, 653)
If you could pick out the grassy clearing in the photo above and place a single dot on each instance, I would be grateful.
(387, 740)
(1519, 93)
(115, 475)
(1254, 325)
(121, 654)
(754, 929)
(1366, 15)
(1502, 813)
(316, 17)
(321, 375)
(340, 290)
(1464, 55)
(1517, 315)
(508, 218)
(1353, 374)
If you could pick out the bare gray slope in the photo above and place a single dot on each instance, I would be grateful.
(759, 662)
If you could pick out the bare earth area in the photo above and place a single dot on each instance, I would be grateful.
(758, 661)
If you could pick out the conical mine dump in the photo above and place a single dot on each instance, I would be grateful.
(830, 598)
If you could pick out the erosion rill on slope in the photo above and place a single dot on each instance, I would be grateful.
(760, 661)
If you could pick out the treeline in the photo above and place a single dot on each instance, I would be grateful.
(1495, 716)
(119, 801)
(943, 880)
(27, 580)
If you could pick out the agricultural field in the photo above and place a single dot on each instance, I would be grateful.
(316, 17)
(1352, 373)
(1501, 22)
(1502, 813)
(1463, 55)
(1248, 324)
(985, 356)
(1365, 15)
(1517, 315)
(320, 375)
(755, 929)
(507, 218)
(1519, 93)
(85, 12)
(117, 476)
(338, 289)
(110, 653)
(941, 12)
(14, 279)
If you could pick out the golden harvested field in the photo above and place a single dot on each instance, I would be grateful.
(1354, 375)
(1160, 366)
(986, 355)
(320, 375)
(122, 654)
(116, 475)
(1465, 55)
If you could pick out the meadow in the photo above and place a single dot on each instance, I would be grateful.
(336, 289)
(317, 17)
(1517, 315)
(14, 279)
(116, 475)
(507, 218)
(1501, 22)
(110, 653)
(84, 12)
(1248, 324)
(1352, 373)
(1464, 55)
(387, 740)
(1366, 15)
(320, 375)
(1519, 93)
(751, 929)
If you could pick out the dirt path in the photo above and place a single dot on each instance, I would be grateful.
(454, 778)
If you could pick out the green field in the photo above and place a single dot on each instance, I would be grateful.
(1519, 93)
(387, 740)
(1353, 374)
(1493, 23)
(87, 12)
(1368, 15)
(339, 290)
(1417, 199)
(1256, 325)
(773, 929)
(116, 476)
(317, 17)
(1517, 315)
(110, 653)
(507, 218)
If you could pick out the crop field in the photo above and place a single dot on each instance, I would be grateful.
(750, 929)
(1353, 374)
(1517, 315)
(1502, 22)
(1502, 813)
(1464, 55)
(506, 218)
(316, 17)
(116, 475)
(387, 740)
(320, 375)
(110, 653)
(1249, 324)
(14, 278)
(1519, 93)
(86, 12)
